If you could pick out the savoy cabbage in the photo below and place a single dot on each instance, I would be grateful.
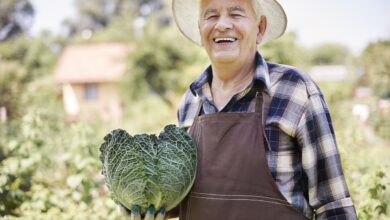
(148, 170)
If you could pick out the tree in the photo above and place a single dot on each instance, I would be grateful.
(375, 59)
(15, 18)
(285, 50)
(98, 14)
(21, 62)
(11, 74)
(327, 54)
(161, 66)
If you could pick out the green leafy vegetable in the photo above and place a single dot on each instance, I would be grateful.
(145, 170)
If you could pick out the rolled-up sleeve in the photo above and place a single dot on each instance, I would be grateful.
(327, 189)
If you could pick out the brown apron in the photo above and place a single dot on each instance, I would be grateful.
(233, 180)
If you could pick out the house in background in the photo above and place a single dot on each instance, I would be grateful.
(88, 76)
(329, 73)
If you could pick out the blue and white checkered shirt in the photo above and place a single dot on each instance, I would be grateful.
(304, 160)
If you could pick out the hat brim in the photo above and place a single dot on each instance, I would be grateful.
(186, 15)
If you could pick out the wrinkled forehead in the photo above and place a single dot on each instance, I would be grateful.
(231, 4)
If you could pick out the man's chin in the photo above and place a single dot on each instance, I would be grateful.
(224, 58)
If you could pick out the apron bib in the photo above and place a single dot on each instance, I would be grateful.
(233, 180)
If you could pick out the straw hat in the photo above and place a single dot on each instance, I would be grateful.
(186, 15)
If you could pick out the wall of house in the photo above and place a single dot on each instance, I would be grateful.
(106, 107)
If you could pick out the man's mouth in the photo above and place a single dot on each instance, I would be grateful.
(224, 40)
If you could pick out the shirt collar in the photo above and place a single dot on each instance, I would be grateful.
(261, 77)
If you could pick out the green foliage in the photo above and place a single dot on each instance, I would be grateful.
(365, 160)
(50, 170)
(375, 60)
(14, 49)
(36, 56)
(11, 76)
(22, 141)
(285, 50)
(162, 67)
(22, 60)
(379, 120)
(328, 54)
(375, 190)
(20, 159)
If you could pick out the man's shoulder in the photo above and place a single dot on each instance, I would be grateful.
(287, 72)
(187, 109)
(291, 91)
(282, 75)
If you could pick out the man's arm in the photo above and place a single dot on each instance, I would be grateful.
(328, 192)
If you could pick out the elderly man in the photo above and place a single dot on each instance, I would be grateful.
(266, 145)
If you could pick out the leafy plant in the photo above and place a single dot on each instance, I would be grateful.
(145, 170)
(375, 189)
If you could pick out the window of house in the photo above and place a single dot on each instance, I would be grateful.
(90, 92)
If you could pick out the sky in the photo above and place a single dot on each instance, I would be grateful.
(353, 23)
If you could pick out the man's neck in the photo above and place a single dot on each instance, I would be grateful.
(229, 80)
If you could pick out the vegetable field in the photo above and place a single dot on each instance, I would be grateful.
(51, 170)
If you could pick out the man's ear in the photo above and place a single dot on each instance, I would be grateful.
(262, 27)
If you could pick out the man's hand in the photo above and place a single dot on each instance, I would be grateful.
(135, 213)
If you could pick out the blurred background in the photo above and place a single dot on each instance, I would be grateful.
(72, 70)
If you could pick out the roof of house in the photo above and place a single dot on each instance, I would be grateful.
(329, 73)
(92, 63)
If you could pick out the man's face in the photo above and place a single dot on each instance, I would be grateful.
(229, 30)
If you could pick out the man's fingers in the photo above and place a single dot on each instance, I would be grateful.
(125, 213)
(135, 216)
(135, 213)
(150, 213)
(161, 214)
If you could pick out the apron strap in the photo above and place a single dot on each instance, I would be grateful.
(197, 114)
(258, 102)
(262, 106)
(266, 106)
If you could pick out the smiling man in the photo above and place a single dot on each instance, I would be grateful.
(228, 36)
(266, 144)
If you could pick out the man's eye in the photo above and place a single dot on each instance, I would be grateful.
(211, 17)
(236, 15)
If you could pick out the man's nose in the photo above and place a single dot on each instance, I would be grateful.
(224, 23)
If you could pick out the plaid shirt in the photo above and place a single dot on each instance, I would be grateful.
(304, 160)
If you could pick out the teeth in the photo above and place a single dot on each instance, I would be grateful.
(231, 39)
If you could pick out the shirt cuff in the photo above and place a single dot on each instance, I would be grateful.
(334, 210)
